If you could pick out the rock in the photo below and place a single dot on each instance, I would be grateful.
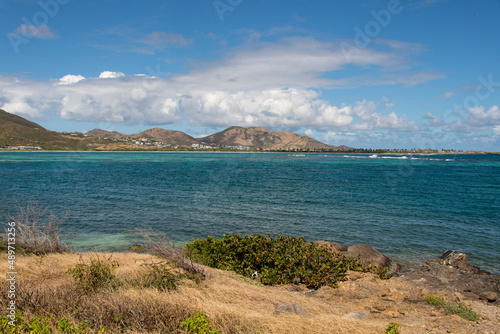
(341, 248)
(457, 275)
(290, 308)
(489, 296)
(328, 245)
(361, 315)
(372, 256)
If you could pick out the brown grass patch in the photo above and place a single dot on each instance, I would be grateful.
(229, 301)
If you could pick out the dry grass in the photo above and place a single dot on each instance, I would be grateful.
(230, 302)
(163, 247)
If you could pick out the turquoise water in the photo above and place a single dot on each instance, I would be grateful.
(410, 208)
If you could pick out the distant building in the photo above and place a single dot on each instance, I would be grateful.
(27, 148)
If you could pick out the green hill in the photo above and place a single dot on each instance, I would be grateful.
(15, 131)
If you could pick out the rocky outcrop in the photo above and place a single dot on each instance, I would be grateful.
(365, 253)
(452, 272)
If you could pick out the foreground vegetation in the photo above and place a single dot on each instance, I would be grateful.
(166, 291)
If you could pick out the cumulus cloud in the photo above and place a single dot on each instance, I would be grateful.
(479, 117)
(275, 85)
(110, 75)
(40, 32)
(136, 99)
(70, 79)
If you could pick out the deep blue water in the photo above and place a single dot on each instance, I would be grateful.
(410, 209)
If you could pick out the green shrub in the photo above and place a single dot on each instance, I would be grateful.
(39, 326)
(462, 311)
(392, 328)
(434, 300)
(278, 261)
(198, 324)
(160, 277)
(97, 274)
(64, 326)
(42, 325)
(7, 328)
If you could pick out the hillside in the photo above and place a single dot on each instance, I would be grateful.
(257, 137)
(15, 130)
(167, 136)
(18, 131)
(106, 134)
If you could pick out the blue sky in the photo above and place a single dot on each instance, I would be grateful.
(371, 74)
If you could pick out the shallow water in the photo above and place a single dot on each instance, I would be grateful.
(410, 208)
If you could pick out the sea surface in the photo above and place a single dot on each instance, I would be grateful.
(409, 207)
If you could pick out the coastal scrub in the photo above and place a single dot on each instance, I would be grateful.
(281, 260)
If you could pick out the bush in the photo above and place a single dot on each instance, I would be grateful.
(278, 261)
(37, 231)
(160, 277)
(42, 325)
(199, 324)
(462, 311)
(434, 300)
(392, 328)
(97, 274)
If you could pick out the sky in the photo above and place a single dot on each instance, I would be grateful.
(367, 74)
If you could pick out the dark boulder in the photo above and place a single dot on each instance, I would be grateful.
(372, 256)
(452, 272)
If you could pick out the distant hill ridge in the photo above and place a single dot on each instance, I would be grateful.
(16, 130)
(253, 137)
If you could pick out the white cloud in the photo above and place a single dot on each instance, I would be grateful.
(478, 117)
(110, 75)
(70, 79)
(301, 63)
(246, 87)
(40, 32)
(20, 107)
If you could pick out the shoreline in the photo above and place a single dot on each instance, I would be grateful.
(362, 303)
(250, 151)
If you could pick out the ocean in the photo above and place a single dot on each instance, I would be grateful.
(410, 208)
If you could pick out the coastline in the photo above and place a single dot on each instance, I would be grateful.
(361, 304)
(248, 151)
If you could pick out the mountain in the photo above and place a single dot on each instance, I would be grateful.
(257, 137)
(106, 134)
(18, 131)
(167, 136)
